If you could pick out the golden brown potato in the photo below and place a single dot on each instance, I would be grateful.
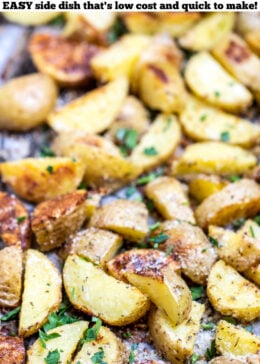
(175, 342)
(15, 226)
(253, 39)
(53, 221)
(209, 80)
(236, 200)
(26, 101)
(170, 199)
(127, 218)
(202, 186)
(11, 266)
(42, 292)
(31, 17)
(190, 247)
(40, 179)
(253, 273)
(99, 107)
(12, 350)
(240, 300)
(233, 340)
(94, 292)
(104, 166)
(157, 145)
(96, 245)
(70, 69)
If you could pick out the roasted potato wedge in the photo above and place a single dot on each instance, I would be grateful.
(88, 287)
(127, 218)
(202, 122)
(53, 221)
(106, 342)
(236, 200)
(65, 343)
(73, 68)
(42, 292)
(11, 263)
(209, 31)
(170, 199)
(92, 203)
(120, 58)
(190, 247)
(253, 273)
(96, 245)
(175, 342)
(157, 145)
(202, 186)
(104, 166)
(31, 17)
(242, 298)
(253, 39)
(92, 112)
(208, 80)
(26, 101)
(225, 360)
(11, 350)
(15, 226)
(213, 158)
(233, 340)
(40, 179)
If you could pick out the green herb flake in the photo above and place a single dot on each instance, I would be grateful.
(126, 335)
(224, 136)
(150, 177)
(155, 226)
(98, 357)
(252, 231)
(11, 314)
(53, 357)
(194, 358)
(168, 123)
(46, 152)
(117, 31)
(49, 169)
(217, 94)
(82, 186)
(132, 353)
(238, 223)
(257, 219)
(128, 138)
(91, 334)
(214, 242)
(234, 178)
(72, 296)
(230, 320)
(159, 239)
(203, 118)
(59, 319)
(21, 219)
(151, 151)
(130, 191)
(43, 336)
(211, 352)
(208, 326)
(169, 250)
(59, 21)
(197, 292)
(204, 250)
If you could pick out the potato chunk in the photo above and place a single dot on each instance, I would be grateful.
(175, 342)
(170, 199)
(26, 101)
(65, 343)
(12, 350)
(157, 145)
(54, 220)
(127, 218)
(14, 221)
(92, 112)
(94, 292)
(253, 273)
(106, 342)
(202, 186)
(11, 266)
(242, 298)
(253, 39)
(42, 292)
(236, 200)
(233, 340)
(40, 179)
(208, 80)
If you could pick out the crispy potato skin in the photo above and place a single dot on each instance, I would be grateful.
(13, 231)
(12, 350)
(73, 68)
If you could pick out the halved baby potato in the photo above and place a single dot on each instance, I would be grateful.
(242, 298)
(40, 179)
(42, 292)
(202, 186)
(94, 292)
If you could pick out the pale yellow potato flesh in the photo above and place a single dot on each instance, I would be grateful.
(253, 273)
(253, 39)
(202, 186)
(31, 17)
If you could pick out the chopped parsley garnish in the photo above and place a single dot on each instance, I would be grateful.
(43, 336)
(155, 226)
(20, 219)
(211, 351)
(168, 123)
(252, 231)
(82, 186)
(234, 178)
(49, 169)
(208, 326)
(47, 152)
(238, 223)
(204, 250)
(53, 357)
(150, 177)
(224, 136)
(11, 314)
(231, 320)
(217, 94)
(132, 353)
(128, 139)
(169, 250)
(98, 357)
(130, 191)
(194, 358)
(91, 334)
(150, 151)
(118, 29)
(257, 219)
(197, 292)
(203, 118)
(59, 319)
(127, 335)
(159, 239)
(214, 242)
(150, 205)
(59, 21)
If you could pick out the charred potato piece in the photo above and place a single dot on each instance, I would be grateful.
(40, 179)
(53, 221)
(253, 273)
(98, 107)
(253, 39)
(11, 263)
(242, 298)
(190, 247)
(42, 292)
(127, 218)
(157, 145)
(26, 101)
(208, 31)
(175, 342)
(15, 226)
(202, 186)
(236, 200)
(169, 198)
(11, 350)
(70, 69)
(66, 343)
(213, 158)
(208, 80)
(106, 342)
(31, 17)
(233, 340)
(88, 287)
(96, 245)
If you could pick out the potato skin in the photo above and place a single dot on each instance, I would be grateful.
(26, 101)
(12, 350)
